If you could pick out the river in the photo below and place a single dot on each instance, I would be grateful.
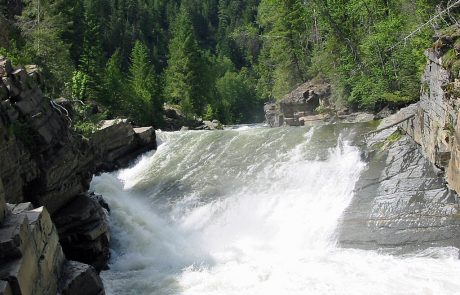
(252, 211)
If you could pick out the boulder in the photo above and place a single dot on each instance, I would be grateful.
(84, 232)
(80, 279)
(146, 136)
(211, 125)
(306, 98)
(114, 139)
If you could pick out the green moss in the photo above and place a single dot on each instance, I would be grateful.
(452, 31)
(394, 137)
(448, 58)
(455, 69)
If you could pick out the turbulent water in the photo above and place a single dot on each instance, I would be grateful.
(252, 211)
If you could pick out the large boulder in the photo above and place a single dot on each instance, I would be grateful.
(306, 98)
(80, 279)
(117, 142)
(299, 107)
(84, 232)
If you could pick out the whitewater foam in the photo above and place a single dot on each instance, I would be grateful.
(250, 212)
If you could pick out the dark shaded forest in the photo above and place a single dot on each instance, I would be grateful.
(219, 59)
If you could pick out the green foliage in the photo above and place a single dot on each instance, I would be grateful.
(79, 85)
(208, 113)
(394, 137)
(144, 101)
(222, 58)
(183, 76)
(87, 122)
(237, 98)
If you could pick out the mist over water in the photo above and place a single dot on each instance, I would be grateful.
(252, 211)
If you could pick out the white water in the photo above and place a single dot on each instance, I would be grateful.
(251, 211)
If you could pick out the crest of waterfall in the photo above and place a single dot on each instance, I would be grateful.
(252, 211)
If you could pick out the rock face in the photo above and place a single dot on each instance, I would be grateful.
(30, 252)
(300, 105)
(435, 124)
(31, 258)
(116, 143)
(44, 162)
(401, 202)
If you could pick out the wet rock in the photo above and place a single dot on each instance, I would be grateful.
(80, 279)
(83, 231)
(211, 125)
(146, 137)
(401, 203)
(385, 112)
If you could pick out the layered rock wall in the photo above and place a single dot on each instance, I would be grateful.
(435, 124)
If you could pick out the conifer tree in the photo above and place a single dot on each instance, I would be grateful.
(145, 95)
(183, 76)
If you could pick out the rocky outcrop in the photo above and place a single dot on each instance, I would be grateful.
(45, 163)
(83, 230)
(435, 124)
(401, 202)
(117, 142)
(299, 106)
(31, 258)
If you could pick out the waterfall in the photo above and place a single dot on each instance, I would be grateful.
(252, 211)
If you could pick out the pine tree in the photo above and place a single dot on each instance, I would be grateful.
(42, 26)
(183, 76)
(285, 55)
(92, 58)
(114, 85)
(145, 95)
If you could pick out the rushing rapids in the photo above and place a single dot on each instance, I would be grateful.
(252, 211)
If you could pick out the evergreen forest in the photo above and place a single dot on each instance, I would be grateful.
(220, 59)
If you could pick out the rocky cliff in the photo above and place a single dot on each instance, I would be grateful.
(45, 163)
(406, 200)
(435, 124)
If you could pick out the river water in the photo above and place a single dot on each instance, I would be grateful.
(252, 211)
